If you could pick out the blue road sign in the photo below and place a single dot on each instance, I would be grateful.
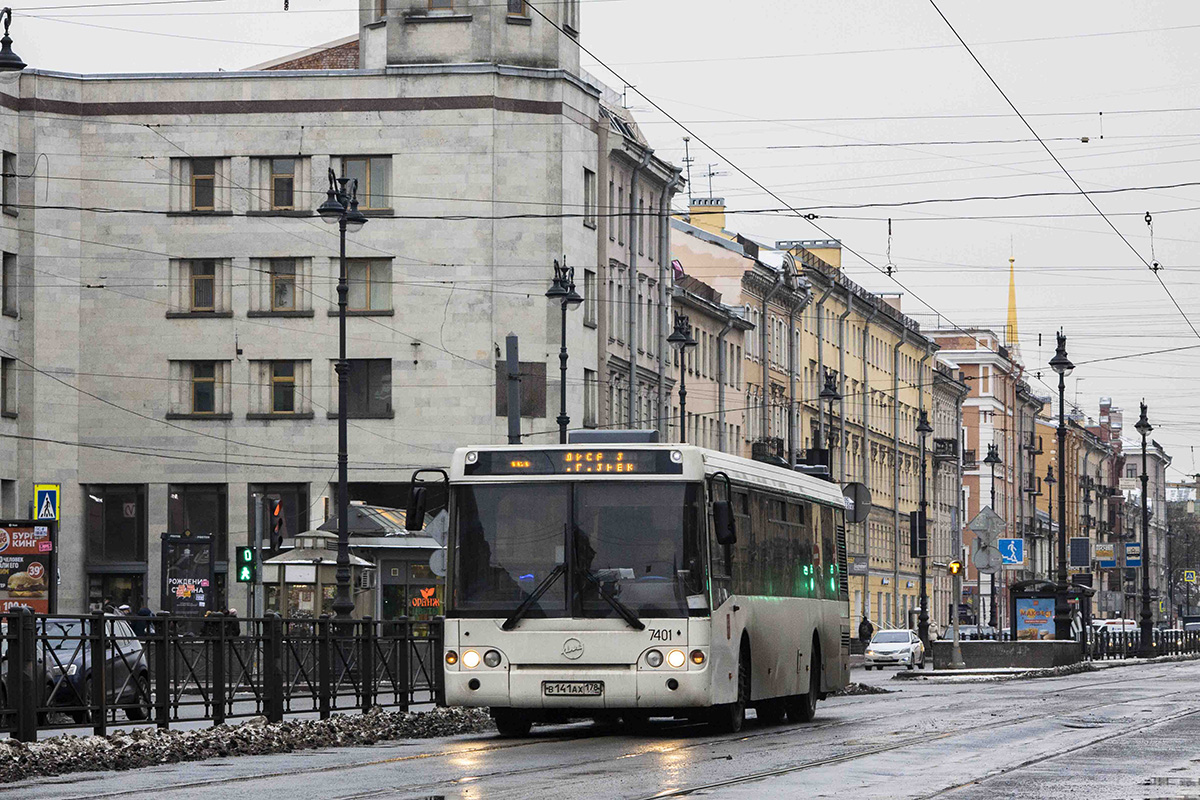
(45, 500)
(1012, 551)
(1133, 554)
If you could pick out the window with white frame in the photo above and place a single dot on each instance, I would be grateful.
(612, 221)
(370, 284)
(374, 176)
(280, 388)
(590, 398)
(589, 297)
(199, 389)
(8, 285)
(200, 287)
(571, 16)
(589, 198)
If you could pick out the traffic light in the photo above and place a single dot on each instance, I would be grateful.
(954, 567)
(918, 538)
(276, 526)
(247, 570)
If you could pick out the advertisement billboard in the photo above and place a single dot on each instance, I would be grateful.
(188, 579)
(27, 567)
(1035, 618)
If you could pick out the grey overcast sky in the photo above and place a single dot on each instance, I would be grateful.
(790, 91)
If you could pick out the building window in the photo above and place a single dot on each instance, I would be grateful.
(204, 277)
(9, 199)
(283, 284)
(589, 195)
(571, 16)
(374, 173)
(370, 388)
(641, 227)
(204, 180)
(380, 9)
(516, 8)
(619, 220)
(115, 521)
(283, 184)
(589, 297)
(589, 398)
(441, 4)
(9, 285)
(203, 509)
(8, 387)
(370, 283)
(283, 387)
(200, 389)
(611, 222)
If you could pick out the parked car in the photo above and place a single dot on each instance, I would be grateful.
(970, 633)
(64, 658)
(898, 647)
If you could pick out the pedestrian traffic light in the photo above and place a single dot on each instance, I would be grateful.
(247, 570)
(954, 567)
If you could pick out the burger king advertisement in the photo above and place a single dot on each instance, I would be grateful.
(26, 566)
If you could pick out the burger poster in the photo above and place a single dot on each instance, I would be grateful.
(26, 567)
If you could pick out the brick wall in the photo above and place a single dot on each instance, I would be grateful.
(343, 56)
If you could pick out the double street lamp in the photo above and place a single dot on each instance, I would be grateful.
(992, 459)
(681, 339)
(829, 394)
(1062, 609)
(562, 288)
(341, 207)
(1145, 642)
(924, 429)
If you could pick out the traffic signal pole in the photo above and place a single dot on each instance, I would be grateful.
(256, 595)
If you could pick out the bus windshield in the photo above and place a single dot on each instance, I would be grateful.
(640, 543)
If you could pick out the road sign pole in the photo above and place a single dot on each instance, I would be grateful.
(257, 587)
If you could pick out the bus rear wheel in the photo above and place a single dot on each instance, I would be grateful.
(803, 707)
(511, 723)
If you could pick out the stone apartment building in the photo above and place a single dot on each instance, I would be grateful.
(167, 360)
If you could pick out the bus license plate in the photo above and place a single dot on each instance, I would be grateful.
(572, 688)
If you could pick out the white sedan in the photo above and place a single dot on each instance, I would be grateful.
(895, 648)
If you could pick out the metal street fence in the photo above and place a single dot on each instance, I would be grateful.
(65, 671)
(1111, 644)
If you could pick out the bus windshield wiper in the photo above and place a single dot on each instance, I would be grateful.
(533, 597)
(617, 605)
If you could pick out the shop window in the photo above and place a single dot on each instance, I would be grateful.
(115, 521)
(201, 508)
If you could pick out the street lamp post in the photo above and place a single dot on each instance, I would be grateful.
(562, 288)
(9, 61)
(341, 207)
(1145, 641)
(829, 394)
(681, 339)
(924, 429)
(1050, 481)
(1062, 609)
(992, 459)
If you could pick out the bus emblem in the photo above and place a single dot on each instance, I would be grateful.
(572, 648)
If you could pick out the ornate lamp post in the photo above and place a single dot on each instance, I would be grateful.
(562, 288)
(1050, 481)
(1145, 638)
(341, 207)
(924, 429)
(829, 394)
(992, 459)
(9, 61)
(1062, 609)
(681, 339)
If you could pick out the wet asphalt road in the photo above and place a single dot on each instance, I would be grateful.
(1132, 732)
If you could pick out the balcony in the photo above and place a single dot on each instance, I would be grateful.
(969, 461)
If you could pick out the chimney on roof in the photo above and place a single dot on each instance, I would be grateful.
(708, 213)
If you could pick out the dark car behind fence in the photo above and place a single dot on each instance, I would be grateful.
(179, 669)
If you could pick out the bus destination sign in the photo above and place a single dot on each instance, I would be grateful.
(570, 462)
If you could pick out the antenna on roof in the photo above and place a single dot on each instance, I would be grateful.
(687, 163)
(710, 174)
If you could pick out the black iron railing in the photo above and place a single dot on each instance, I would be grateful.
(1110, 644)
(65, 671)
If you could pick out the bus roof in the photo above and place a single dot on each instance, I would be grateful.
(695, 464)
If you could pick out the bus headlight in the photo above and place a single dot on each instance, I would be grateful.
(451, 657)
(697, 657)
(654, 658)
(491, 658)
(676, 658)
(472, 457)
(470, 659)
(676, 457)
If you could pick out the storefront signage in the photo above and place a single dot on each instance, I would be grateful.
(426, 598)
(27, 566)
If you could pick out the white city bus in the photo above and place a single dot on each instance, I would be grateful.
(641, 580)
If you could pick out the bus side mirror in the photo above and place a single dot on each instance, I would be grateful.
(414, 517)
(723, 521)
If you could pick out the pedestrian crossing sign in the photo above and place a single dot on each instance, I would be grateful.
(1189, 576)
(45, 501)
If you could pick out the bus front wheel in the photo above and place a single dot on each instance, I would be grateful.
(511, 723)
(730, 718)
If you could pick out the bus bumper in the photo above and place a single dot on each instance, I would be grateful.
(623, 688)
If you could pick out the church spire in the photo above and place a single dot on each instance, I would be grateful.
(1010, 330)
